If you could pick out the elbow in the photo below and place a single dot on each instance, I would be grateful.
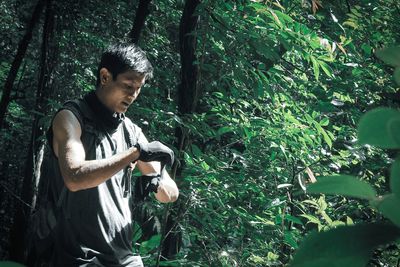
(166, 200)
(71, 182)
(167, 197)
(173, 198)
(71, 185)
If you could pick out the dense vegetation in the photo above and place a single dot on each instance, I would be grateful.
(262, 101)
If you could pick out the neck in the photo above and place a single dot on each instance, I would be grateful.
(108, 118)
(99, 92)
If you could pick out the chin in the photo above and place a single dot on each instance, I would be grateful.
(120, 109)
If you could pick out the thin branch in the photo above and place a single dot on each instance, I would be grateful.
(14, 195)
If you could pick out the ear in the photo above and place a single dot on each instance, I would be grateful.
(105, 76)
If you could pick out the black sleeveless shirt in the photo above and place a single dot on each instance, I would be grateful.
(95, 227)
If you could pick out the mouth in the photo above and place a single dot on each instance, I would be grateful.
(125, 104)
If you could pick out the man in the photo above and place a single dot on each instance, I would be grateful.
(95, 147)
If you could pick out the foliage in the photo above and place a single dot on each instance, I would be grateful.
(283, 84)
(10, 264)
(378, 127)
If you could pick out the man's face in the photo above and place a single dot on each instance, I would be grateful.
(120, 93)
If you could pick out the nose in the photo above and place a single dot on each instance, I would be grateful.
(134, 93)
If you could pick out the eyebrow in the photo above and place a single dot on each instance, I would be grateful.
(131, 83)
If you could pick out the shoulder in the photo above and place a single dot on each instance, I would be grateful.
(70, 117)
(70, 111)
(133, 128)
(79, 108)
(65, 121)
(132, 125)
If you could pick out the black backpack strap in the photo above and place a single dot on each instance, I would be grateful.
(144, 184)
(85, 117)
(61, 198)
(81, 110)
(128, 136)
(128, 172)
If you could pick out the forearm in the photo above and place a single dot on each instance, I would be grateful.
(91, 173)
(167, 189)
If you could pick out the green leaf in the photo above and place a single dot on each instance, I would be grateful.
(325, 68)
(283, 16)
(225, 129)
(351, 24)
(10, 264)
(151, 244)
(380, 127)
(395, 177)
(311, 219)
(324, 122)
(315, 67)
(389, 205)
(396, 75)
(204, 165)
(289, 239)
(390, 55)
(367, 49)
(293, 219)
(325, 136)
(342, 185)
(196, 151)
(343, 246)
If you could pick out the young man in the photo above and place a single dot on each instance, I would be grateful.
(95, 147)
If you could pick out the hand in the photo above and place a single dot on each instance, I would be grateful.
(155, 151)
(144, 185)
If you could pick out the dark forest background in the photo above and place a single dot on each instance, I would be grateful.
(266, 103)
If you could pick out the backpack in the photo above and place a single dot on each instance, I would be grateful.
(43, 222)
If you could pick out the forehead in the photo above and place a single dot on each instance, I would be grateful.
(131, 76)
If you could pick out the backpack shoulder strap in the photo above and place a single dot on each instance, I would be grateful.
(132, 132)
(80, 109)
(128, 135)
(84, 115)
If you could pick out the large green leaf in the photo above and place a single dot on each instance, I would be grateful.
(343, 246)
(389, 207)
(390, 55)
(396, 75)
(342, 185)
(380, 127)
(395, 178)
(10, 264)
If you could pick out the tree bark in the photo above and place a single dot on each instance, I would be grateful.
(22, 47)
(33, 164)
(140, 17)
(188, 92)
(188, 97)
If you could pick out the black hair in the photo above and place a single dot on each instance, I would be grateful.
(119, 58)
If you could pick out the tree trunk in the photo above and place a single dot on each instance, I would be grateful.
(188, 92)
(22, 47)
(141, 13)
(188, 97)
(34, 159)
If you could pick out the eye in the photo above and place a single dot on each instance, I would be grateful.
(128, 87)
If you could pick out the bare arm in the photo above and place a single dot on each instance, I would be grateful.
(167, 189)
(77, 172)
